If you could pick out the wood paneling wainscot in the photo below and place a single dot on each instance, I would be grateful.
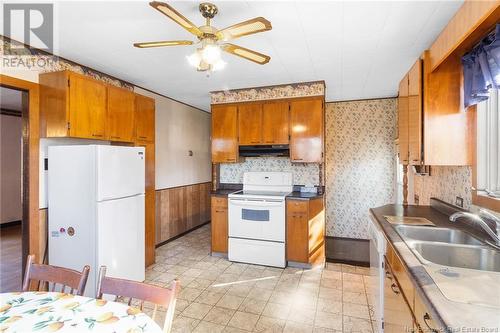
(181, 209)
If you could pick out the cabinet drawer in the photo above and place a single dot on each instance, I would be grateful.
(401, 275)
(219, 202)
(424, 317)
(297, 207)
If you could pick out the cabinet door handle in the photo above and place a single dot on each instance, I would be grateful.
(395, 289)
(297, 159)
(115, 137)
(269, 141)
(230, 159)
(426, 318)
(97, 135)
(416, 160)
(220, 211)
(254, 141)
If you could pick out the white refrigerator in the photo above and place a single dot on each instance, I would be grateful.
(96, 210)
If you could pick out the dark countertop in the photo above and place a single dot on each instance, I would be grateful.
(449, 314)
(222, 192)
(296, 195)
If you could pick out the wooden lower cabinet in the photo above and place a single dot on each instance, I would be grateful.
(181, 209)
(397, 313)
(404, 309)
(305, 231)
(219, 224)
(423, 317)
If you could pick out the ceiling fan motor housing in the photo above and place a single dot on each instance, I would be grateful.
(208, 10)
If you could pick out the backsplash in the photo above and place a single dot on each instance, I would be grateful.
(445, 183)
(303, 174)
(360, 163)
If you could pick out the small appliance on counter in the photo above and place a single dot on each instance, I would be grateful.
(257, 219)
(96, 210)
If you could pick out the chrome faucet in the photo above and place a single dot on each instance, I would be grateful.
(478, 219)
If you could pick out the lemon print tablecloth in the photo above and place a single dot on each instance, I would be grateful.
(58, 312)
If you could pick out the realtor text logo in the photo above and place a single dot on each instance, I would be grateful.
(30, 23)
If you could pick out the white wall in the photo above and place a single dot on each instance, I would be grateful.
(10, 168)
(179, 129)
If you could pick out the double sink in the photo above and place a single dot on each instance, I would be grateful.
(450, 247)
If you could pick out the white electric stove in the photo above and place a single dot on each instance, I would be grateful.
(257, 219)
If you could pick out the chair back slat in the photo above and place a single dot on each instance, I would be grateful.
(53, 275)
(141, 291)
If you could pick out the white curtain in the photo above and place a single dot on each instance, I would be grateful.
(488, 145)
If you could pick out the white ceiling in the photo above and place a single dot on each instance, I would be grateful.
(11, 99)
(361, 49)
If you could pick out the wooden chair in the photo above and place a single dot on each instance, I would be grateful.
(53, 275)
(142, 292)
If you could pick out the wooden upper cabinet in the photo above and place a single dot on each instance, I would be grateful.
(72, 105)
(306, 130)
(415, 113)
(250, 124)
(144, 118)
(87, 107)
(275, 126)
(403, 120)
(120, 120)
(224, 133)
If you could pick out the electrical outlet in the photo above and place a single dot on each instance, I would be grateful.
(459, 202)
(416, 199)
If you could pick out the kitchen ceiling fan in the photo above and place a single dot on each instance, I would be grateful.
(212, 41)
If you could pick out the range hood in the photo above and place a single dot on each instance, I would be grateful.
(264, 150)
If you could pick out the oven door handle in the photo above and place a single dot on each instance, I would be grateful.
(254, 203)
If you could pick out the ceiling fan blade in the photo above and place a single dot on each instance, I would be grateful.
(163, 43)
(249, 27)
(176, 17)
(246, 53)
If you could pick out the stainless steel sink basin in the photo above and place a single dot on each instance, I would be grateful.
(472, 257)
(432, 234)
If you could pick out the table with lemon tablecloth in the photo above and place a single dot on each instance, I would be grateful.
(58, 312)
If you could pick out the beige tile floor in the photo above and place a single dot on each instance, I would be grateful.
(220, 296)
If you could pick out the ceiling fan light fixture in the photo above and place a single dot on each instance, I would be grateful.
(219, 65)
(194, 59)
(211, 54)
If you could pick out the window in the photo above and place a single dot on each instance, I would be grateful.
(488, 146)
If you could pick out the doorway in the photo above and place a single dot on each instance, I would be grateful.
(13, 104)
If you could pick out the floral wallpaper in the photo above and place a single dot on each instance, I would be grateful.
(303, 174)
(271, 92)
(360, 163)
(45, 62)
(445, 183)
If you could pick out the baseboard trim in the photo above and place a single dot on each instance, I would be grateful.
(181, 234)
(350, 251)
(10, 224)
(349, 262)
